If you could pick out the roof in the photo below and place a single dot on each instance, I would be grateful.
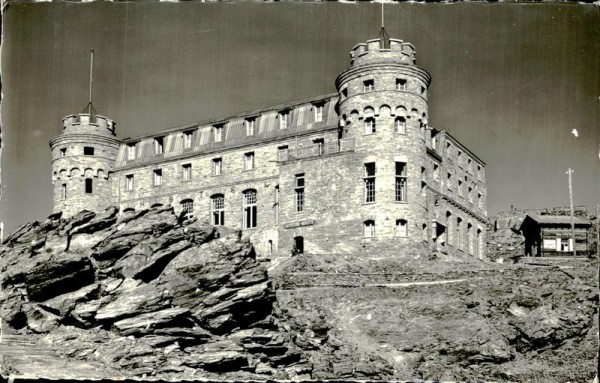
(557, 220)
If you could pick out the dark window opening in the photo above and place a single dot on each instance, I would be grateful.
(88, 151)
(88, 186)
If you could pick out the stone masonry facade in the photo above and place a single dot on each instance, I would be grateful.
(358, 170)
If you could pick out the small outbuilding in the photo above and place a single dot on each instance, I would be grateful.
(550, 235)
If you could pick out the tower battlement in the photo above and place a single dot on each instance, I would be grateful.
(83, 122)
(374, 51)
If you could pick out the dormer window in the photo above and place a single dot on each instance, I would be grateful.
(401, 84)
(158, 145)
(284, 120)
(250, 126)
(318, 113)
(130, 152)
(218, 133)
(369, 85)
(188, 139)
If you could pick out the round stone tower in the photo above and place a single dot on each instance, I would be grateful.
(83, 156)
(383, 108)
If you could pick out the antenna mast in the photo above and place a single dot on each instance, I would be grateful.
(90, 107)
(382, 19)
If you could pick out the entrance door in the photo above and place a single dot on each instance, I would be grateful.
(299, 245)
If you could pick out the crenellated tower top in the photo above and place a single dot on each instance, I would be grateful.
(382, 50)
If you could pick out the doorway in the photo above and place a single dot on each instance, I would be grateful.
(298, 245)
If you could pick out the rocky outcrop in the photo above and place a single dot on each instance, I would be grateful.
(149, 294)
(145, 293)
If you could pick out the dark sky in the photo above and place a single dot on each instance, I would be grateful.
(510, 81)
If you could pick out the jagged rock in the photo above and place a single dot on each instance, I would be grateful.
(38, 319)
(59, 275)
(218, 356)
(147, 323)
(63, 304)
(131, 301)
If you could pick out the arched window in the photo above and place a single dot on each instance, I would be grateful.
(63, 191)
(250, 211)
(369, 228)
(400, 125)
(218, 209)
(402, 228)
(187, 206)
(129, 210)
(88, 185)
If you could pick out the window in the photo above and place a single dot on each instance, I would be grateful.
(250, 127)
(459, 158)
(345, 92)
(423, 90)
(369, 229)
(282, 153)
(283, 120)
(187, 171)
(402, 228)
(129, 182)
(88, 186)
(479, 200)
(478, 172)
(369, 85)
(217, 166)
(470, 195)
(459, 242)
(250, 209)
(276, 205)
(218, 133)
(370, 182)
(187, 207)
(130, 152)
(369, 125)
(63, 152)
(158, 145)
(187, 139)
(320, 144)
(299, 191)
(449, 181)
(218, 209)
(448, 150)
(157, 180)
(460, 191)
(249, 161)
(63, 191)
(401, 84)
(401, 182)
(400, 125)
(88, 151)
(318, 113)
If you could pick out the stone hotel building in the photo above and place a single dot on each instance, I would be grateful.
(358, 170)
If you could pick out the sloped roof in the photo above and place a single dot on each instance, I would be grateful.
(557, 220)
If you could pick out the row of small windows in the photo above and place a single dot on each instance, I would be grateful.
(401, 228)
(400, 185)
(89, 188)
(218, 132)
(401, 84)
(186, 170)
(87, 151)
(399, 125)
